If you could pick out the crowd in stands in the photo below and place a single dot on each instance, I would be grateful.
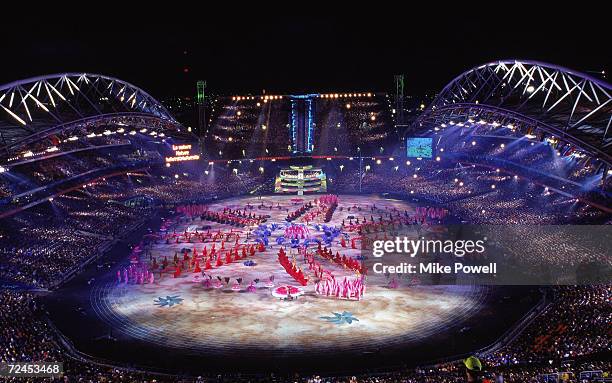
(250, 129)
(39, 255)
(5, 189)
(533, 243)
(62, 144)
(222, 185)
(353, 125)
(575, 325)
(39, 246)
(548, 158)
(30, 175)
(477, 194)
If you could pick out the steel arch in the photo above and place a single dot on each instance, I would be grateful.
(570, 103)
(466, 114)
(34, 105)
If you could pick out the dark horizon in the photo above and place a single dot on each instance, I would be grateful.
(321, 54)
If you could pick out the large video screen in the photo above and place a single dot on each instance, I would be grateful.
(419, 147)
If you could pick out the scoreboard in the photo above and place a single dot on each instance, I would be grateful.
(419, 147)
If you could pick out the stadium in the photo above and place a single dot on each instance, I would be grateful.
(135, 246)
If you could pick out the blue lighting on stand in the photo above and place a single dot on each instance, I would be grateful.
(310, 127)
(302, 122)
(294, 126)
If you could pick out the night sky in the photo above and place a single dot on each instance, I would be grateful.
(247, 53)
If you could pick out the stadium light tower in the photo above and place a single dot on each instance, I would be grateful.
(400, 122)
(201, 88)
(399, 100)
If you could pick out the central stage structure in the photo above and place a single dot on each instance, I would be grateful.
(301, 179)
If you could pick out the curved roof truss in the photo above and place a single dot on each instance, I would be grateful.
(29, 107)
(575, 105)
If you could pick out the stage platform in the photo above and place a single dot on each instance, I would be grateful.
(255, 325)
(223, 320)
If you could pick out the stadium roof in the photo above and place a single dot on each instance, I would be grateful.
(37, 107)
(573, 106)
